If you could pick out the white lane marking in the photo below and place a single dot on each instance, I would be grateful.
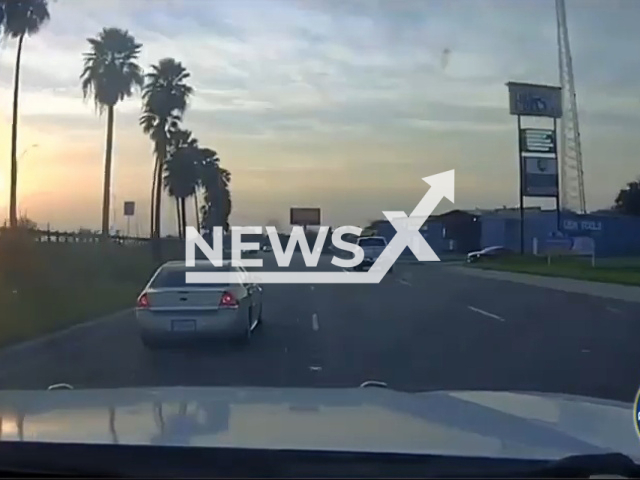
(312, 287)
(614, 310)
(315, 369)
(487, 314)
(404, 282)
(345, 270)
(315, 324)
(586, 350)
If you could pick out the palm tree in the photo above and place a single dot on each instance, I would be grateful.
(180, 180)
(110, 75)
(215, 180)
(165, 96)
(21, 18)
(181, 169)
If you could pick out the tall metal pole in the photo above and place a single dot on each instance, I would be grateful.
(521, 173)
(555, 155)
(572, 178)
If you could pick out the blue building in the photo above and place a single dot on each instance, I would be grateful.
(457, 231)
(613, 234)
(462, 231)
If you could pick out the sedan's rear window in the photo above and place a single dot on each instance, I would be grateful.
(371, 242)
(176, 278)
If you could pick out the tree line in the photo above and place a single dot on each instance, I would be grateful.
(628, 199)
(110, 73)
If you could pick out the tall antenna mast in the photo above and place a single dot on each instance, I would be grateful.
(571, 174)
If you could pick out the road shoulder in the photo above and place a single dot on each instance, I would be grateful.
(60, 336)
(598, 289)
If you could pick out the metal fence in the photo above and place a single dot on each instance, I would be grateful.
(57, 236)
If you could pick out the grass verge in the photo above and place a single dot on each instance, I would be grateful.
(620, 271)
(47, 287)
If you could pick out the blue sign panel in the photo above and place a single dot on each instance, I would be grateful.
(528, 99)
(539, 176)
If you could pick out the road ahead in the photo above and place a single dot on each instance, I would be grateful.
(424, 327)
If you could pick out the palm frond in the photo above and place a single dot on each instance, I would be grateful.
(25, 17)
(110, 72)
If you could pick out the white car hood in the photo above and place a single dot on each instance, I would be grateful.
(471, 423)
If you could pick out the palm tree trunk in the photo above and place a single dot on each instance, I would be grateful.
(183, 204)
(179, 222)
(106, 195)
(153, 196)
(13, 199)
(162, 154)
(195, 202)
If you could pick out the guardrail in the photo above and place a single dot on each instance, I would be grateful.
(56, 236)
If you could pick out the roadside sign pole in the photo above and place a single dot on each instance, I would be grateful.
(129, 211)
(555, 154)
(521, 173)
(535, 100)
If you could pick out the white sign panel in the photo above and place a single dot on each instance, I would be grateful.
(569, 246)
(540, 176)
(527, 99)
(583, 246)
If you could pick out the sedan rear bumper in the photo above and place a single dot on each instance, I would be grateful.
(187, 324)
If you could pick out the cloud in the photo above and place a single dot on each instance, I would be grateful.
(303, 90)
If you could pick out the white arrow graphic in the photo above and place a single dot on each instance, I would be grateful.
(407, 235)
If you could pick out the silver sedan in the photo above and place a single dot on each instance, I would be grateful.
(168, 308)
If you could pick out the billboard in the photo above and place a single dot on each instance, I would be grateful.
(129, 209)
(304, 216)
(528, 99)
(539, 176)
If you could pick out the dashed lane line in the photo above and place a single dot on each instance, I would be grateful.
(485, 313)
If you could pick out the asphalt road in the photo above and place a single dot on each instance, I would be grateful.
(424, 327)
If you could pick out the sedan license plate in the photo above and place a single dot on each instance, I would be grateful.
(183, 325)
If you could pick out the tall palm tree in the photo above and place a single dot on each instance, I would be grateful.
(180, 180)
(21, 18)
(110, 75)
(165, 97)
(185, 138)
(215, 181)
(174, 172)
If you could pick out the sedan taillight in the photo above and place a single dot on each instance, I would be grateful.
(143, 301)
(228, 300)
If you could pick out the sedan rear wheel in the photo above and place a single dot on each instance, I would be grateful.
(245, 337)
(259, 321)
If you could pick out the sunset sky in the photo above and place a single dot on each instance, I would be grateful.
(339, 104)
